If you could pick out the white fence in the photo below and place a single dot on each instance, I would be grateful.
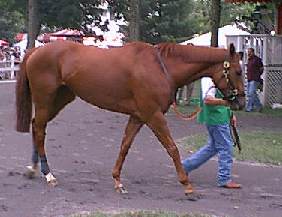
(269, 49)
(8, 69)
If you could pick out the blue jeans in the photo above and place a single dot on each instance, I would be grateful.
(219, 142)
(253, 100)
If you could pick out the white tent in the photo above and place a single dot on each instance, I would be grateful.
(205, 39)
(22, 45)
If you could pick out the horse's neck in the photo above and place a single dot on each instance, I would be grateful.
(200, 54)
(192, 63)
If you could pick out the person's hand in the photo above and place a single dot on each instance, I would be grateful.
(234, 120)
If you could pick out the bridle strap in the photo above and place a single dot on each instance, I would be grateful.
(233, 92)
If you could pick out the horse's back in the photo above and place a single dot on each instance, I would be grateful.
(109, 78)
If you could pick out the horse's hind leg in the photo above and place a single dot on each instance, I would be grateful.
(63, 97)
(159, 126)
(33, 170)
(132, 128)
(40, 124)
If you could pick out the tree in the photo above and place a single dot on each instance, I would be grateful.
(167, 20)
(134, 20)
(53, 14)
(215, 21)
(161, 20)
(33, 22)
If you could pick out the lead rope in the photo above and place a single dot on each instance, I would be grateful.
(191, 116)
(187, 117)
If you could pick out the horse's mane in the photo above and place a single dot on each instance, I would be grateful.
(191, 53)
(166, 48)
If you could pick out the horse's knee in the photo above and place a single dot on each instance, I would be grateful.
(172, 150)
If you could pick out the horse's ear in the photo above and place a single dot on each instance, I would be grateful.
(232, 49)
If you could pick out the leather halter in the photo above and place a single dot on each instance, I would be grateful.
(232, 93)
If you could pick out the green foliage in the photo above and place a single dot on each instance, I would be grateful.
(160, 20)
(11, 20)
(167, 20)
(229, 13)
(70, 13)
(51, 14)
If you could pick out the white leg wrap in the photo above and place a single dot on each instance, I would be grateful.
(50, 178)
(30, 168)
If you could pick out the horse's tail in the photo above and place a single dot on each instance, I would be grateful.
(23, 97)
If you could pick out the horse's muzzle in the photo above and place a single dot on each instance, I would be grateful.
(238, 103)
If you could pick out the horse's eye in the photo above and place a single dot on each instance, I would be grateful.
(239, 72)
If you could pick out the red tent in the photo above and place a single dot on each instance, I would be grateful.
(61, 35)
(21, 36)
(66, 34)
(3, 43)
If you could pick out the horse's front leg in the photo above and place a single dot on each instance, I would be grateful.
(132, 128)
(159, 126)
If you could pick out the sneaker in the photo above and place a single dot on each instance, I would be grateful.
(231, 185)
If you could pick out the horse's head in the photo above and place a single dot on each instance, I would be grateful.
(229, 80)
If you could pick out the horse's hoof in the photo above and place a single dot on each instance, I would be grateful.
(53, 183)
(193, 196)
(189, 189)
(120, 189)
(51, 180)
(31, 173)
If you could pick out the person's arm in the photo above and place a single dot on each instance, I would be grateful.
(209, 91)
(260, 66)
(211, 100)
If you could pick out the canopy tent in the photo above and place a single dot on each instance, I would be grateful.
(106, 39)
(61, 35)
(205, 39)
(23, 44)
(3, 43)
(21, 36)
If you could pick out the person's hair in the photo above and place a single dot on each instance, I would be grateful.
(252, 49)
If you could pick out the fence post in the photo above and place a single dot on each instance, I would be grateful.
(12, 67)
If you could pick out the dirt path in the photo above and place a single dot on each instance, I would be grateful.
(82, 146)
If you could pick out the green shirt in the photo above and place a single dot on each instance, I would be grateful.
(214, 114)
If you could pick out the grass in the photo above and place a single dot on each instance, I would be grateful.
(266, 112)
(257, 146)
(140, 214)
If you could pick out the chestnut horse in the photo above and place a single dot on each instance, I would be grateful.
(137, 79)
